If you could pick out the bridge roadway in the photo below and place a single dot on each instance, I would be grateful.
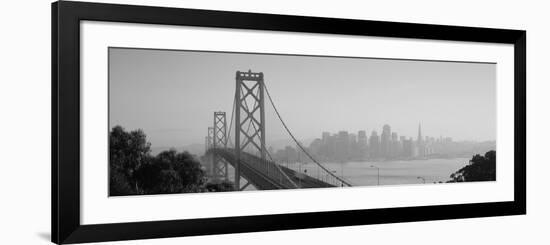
(268, 175)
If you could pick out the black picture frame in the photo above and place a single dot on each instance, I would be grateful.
(65, 162)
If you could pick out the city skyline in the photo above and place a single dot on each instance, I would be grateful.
(399, 135)
(344, 146)
(158, 90)
(277, 143)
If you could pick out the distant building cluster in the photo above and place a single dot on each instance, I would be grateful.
(344, 146)
(387, 145)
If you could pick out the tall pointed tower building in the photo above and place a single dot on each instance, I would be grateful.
(420, 143)
(419, 139)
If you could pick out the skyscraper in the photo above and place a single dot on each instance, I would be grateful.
(385, 141)
(362, 137)
(419, 139)
(374, 145)
(420, 142)
(408, 147)
(395, 145)
(325, 137)
(402, 149)
(343, 145)
(362, 144)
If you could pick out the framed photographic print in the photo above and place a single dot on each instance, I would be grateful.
(176, 122)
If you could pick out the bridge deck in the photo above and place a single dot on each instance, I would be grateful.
(268, 175)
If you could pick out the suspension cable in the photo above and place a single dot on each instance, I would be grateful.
(298, 143)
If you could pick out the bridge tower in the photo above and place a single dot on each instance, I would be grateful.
(219, 141)
(249, 111)
(207, 145)
(208, 139)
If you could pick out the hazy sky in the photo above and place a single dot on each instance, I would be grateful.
(172, 95)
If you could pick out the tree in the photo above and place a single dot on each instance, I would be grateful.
(119, 184)
(480, 168)
(127, 152)
(133, 170)
(171, 172)
(149, 176)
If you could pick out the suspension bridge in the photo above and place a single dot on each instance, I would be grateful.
(246, 153)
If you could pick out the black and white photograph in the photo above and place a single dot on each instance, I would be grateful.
(273, 122)
(193, 121)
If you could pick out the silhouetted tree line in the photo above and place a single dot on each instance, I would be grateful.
(480, 168)
(134, 171)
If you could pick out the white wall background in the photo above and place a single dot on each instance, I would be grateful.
(25, 121)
